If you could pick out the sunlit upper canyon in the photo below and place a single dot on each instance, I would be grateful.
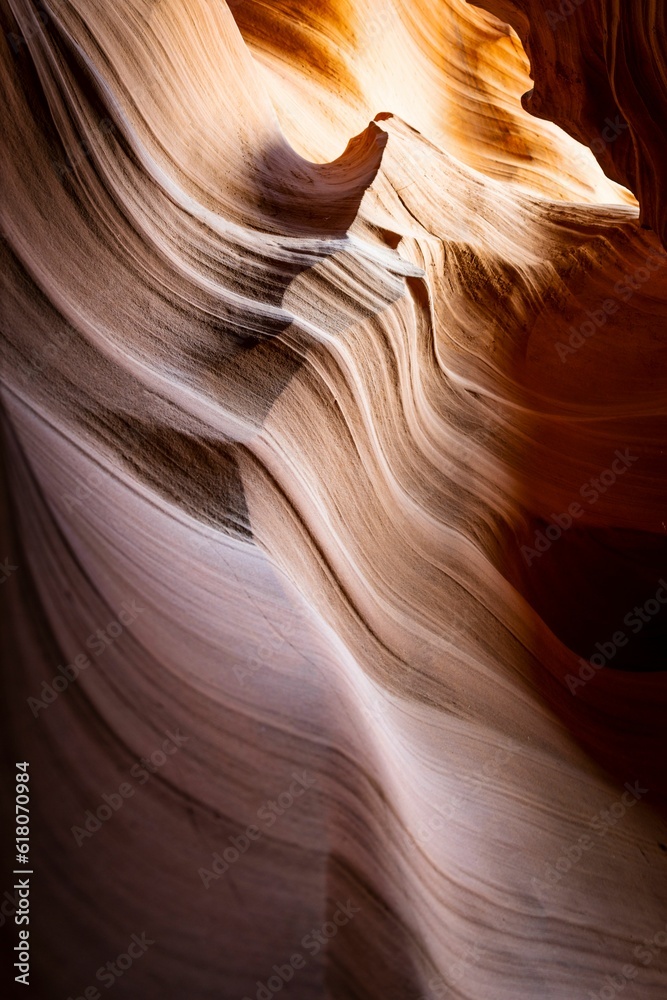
(334, 397)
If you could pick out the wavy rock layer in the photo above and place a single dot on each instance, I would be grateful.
(326, 475)
(599, 72)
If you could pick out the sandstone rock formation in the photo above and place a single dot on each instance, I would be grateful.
(334, 423)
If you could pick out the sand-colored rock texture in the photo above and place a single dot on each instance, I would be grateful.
(334, 484)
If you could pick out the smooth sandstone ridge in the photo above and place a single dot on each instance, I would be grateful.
(334, 421)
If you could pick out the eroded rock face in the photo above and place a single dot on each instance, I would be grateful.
(334, 499)
(598, 69)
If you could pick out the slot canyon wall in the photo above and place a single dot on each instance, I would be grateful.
(334, 590)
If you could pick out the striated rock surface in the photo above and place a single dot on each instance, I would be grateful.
(599, 71)
(334, 434)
